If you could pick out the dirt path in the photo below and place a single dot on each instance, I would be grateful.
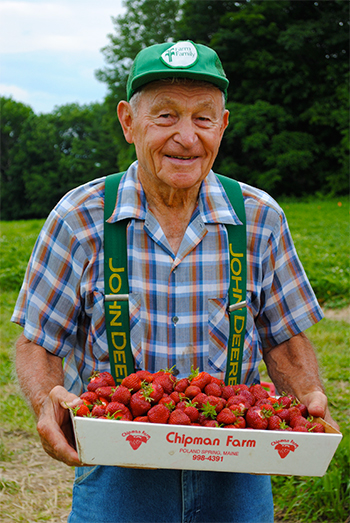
(33, 487)
(338, 314)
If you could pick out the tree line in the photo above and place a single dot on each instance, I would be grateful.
(287, 62)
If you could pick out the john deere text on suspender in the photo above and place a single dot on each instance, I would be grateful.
(117, 287)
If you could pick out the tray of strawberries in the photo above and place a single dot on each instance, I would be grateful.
(154, 420)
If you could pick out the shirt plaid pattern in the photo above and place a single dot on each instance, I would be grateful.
(178, 304)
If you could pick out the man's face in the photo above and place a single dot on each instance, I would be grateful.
(177, 130)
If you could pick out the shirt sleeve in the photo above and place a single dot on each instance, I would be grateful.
(284, 301)
(48, 305)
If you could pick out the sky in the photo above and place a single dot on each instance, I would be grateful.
(50, 49)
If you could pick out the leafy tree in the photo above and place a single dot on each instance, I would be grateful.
(13, 117)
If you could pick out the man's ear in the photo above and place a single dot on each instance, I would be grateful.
(125, 116)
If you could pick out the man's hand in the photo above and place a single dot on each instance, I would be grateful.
(316, 403)
(54, 426)
(40, 376)
(293, 368)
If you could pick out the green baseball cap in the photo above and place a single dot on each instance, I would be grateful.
(176, 60)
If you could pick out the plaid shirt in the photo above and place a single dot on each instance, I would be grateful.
(178, 304)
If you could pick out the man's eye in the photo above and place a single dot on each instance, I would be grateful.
(166, 115)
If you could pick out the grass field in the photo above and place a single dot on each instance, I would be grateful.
(35, 488)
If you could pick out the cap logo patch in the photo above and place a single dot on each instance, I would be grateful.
(182, 54)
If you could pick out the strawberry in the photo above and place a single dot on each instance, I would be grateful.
(145, 375)
(96, 382)
(178, 417)
(210, 423)
(293, 411)
(156, 391)
(108, 377)
(105, 392)
(274, 423)
(317, 427)
(285, 401)
(98, 411)
(102, 401)
(89, 397)
(166, 380)
(228, 391)
(239, 387)
(81, 411)
(118, 408)
(256, 418)
(139, 405)
(283, 414)
(142, 419)
(298, 421)
(249, 397)
(299, 428)
(303, 409)
(200, 399)
(158, 414)
(213, 389)
(192, 391)
(226, 416)
(121, 394)
(258, 392)
(168, 402)
(191, 411)
(240, 423)
(132, 382)
(209, 410)
(181, 385)
(201, 380)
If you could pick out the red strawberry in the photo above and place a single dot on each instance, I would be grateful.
(121, 394)
(98, 411)
(285, 402)
(132, 382)
(144, 375)
(116, 407)
(258, 391)
(102, 401)
(142, 419)
(213, 389)
(294, 411)
(256, 418)
(226, 416)
(181, 385)
(303, 409)
(105, 392)
(96, 382)
(238, 388)
(166, 380)
(201, 380)
(299, 428)
(191, 411)
(200, 399)
(139, 405)
(317, 427)
(283, 414)
(178, 417)
(158, 414)
(228, 391)
(156, 391)
(210, 423)
(192, 391)
(274, 423)
(168, 402)
(108, 377)
(81, 411)
(240, 423)
(248, 396)
(89, 397)
(297, 421)
(238, 409)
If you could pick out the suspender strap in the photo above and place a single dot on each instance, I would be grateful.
(237, 239)
(116, 286)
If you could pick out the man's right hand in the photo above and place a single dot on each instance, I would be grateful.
(55, 428)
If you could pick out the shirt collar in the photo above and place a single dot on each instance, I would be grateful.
(213, 204)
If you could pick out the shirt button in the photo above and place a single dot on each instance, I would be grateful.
(176, 372)
(175, 319)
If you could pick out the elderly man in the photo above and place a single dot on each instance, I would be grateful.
(178, 272)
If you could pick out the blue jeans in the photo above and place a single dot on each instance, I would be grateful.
(124, 495)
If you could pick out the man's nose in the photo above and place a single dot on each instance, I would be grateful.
(186, 134)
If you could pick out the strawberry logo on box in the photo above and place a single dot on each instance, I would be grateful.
(284, 447)
(136, 438)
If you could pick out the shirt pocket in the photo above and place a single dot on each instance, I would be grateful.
(136, 327)
(219, 330)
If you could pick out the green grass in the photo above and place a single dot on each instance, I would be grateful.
(320, 229)
(321, 233)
